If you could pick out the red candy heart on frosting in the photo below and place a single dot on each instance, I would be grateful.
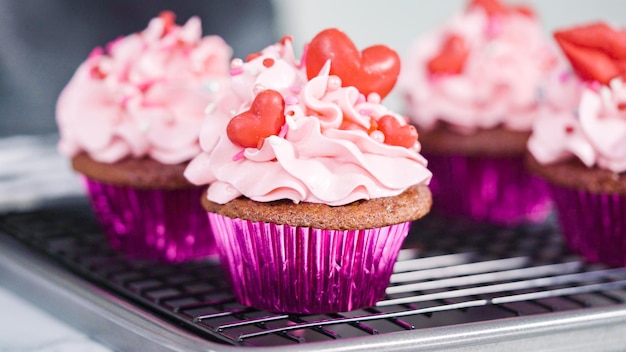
(374, 69)
(451, 57)
(596, 52)
(265, 118)
(495, 7)
(397, 134)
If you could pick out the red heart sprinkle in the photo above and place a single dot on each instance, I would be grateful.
(492, 7)
(495, 7)
(397, 134)
(253, 56)
(596, 52)
(264, 118)
(374, 69)
(169, 20)
(451, 57)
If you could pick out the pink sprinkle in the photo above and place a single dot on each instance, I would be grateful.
(361, 98)
(125, 99)
(366, 112)
(291, 100)
(236, 71)
(595, 86)
(295, 89)
(283, 131)
(564, 76)
(96, 52)
(111, 46)
(239, 155)
(145, 85)
(494, 28)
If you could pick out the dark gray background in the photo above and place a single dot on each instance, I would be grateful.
(42, 42)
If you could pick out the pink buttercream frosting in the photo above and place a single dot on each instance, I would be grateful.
(595, 132)
(145, 95)
(327, 152)
(501, 80)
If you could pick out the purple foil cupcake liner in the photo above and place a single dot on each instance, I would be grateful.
(303, 270)
(593, 224)
(495, 190)
(164, 225)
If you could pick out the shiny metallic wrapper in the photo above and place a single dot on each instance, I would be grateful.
(155, 224)
(593, 224)
(303, 270)
(488, 189)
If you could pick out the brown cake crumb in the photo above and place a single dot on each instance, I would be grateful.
(138, 173)
(574, 174)
(411, 205)
(496, 142)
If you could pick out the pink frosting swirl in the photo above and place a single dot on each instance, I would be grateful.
(501, 80)
(327, 152)
(596, 134)
(145, 96)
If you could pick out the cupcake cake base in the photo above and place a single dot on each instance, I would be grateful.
(591, 205)
(481, 176)
(145, 214)
(278, 256)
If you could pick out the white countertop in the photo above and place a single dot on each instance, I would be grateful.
(32, 172)
(26, 328)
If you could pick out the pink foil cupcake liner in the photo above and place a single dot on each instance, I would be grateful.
(495, 190)
(164, 225)
(303, 270)
(593, 224)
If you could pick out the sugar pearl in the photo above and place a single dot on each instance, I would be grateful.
(378, 136)
(334, 83)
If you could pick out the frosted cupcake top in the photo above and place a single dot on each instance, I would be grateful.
(482, 69)
(594, 129)
(309, 137)
(144, 95)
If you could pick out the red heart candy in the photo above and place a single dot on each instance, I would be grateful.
(596, 52)
(492, 7)
(374, 69)
(265, 118)
(451, 57)
(169, 21)
(395, 133)
(495, 7)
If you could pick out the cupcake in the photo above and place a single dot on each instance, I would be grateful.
(129, 121)
(582, 152)
(313, 183)
(473, 87)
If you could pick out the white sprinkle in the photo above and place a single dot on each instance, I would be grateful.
(210, 108)
(212, 85)
(144, 126)
(605, 93)
(291, 122)
(616, 83)
(275, 140)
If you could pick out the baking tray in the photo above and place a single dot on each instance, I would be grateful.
(456, 286)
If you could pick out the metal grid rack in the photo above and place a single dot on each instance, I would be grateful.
(451, 275)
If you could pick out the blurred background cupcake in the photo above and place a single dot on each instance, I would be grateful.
(314, 183)
(582, 150)
(129, 120)
(473, 88)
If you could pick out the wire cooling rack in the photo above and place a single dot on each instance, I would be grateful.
(454, 277)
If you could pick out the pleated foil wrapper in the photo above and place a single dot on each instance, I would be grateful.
(155, 224)
(593, 224)
(302, 270)
(494, 190)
